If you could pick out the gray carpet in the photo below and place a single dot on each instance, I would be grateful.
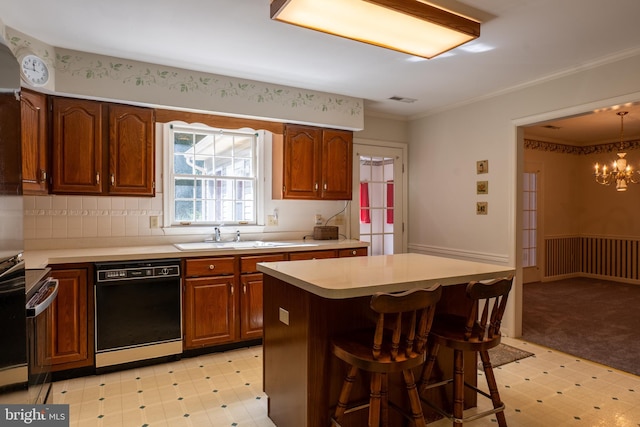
(503, 354)
(592, 319)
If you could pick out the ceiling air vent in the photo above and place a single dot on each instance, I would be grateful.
(403, 99)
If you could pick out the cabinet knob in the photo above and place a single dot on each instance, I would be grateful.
(113, 179)
(325, 186)
(97, 177)
(211, 267)
(316, 187)
(353, 252)
(43, 175)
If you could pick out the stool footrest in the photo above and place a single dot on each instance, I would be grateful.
(449, 415)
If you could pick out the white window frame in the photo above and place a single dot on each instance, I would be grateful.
(263, 140)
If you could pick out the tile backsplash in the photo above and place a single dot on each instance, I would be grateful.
(56, 221)
(71, 217)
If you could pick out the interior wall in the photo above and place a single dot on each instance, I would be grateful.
(605, 212)
(561, 191)
(383, 128)
(446, 145)
(575, 205)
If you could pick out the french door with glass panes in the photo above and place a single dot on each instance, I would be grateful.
(378, 195)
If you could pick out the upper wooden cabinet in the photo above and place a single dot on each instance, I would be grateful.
(91, 137)
(336, 164)
(313, 163)
(131, 151)
(34, 142)
(78, 146)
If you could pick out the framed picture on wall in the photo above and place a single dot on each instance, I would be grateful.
(482, 208)
(482, 166)
(482, 187)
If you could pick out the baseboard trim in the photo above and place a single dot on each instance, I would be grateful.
(459, 254)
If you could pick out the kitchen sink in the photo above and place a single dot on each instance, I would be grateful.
(246, 244)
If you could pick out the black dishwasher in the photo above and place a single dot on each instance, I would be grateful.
(138, 311)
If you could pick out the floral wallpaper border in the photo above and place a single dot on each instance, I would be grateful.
(532, 144)
(134, 74)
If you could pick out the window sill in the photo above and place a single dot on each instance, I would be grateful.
(177, 230)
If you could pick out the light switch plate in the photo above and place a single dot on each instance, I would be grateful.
(284, 316)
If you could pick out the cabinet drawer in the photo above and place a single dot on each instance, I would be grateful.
(248, 263)
(210, 266)
(352, 252)
(296, 256)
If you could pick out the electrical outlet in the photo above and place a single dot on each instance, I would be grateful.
(272, 220)
(339, 219)
(153, 222)
(318, 219)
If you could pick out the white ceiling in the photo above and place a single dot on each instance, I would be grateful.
(521, 41)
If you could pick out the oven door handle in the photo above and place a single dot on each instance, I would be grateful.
(52, 291)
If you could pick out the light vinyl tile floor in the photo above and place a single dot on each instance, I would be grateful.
(549, 389)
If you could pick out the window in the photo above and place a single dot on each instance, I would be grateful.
(212, 176)
(529, 222)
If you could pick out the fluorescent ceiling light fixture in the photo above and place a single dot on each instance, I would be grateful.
(408, 26)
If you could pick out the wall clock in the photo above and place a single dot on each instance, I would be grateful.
(34, 70)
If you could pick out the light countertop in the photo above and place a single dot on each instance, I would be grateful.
(42, 258)
(339, 278)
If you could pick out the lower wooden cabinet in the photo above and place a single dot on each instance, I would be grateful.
(209, 311)
(71, 314)
(251, 306)
(251, 297)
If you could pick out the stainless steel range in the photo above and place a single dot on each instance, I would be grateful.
(42, 291)
(138, 311)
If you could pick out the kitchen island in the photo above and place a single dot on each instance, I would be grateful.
(306, 303)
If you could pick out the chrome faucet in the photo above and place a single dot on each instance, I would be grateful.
(237, 235)
(216, 234)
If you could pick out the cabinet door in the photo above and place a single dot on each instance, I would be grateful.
(34, 142)
(70, 329)
(251, 306)
(337, 149)
(301, 162)
(209, 312)
(131, 150)
(77, 153)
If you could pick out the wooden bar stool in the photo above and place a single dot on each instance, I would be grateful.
(478, 332)
(397, 344)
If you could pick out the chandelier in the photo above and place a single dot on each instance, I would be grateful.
(621, 173)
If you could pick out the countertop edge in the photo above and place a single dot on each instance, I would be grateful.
(370, 290)
(35, 259)
(314, 285)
